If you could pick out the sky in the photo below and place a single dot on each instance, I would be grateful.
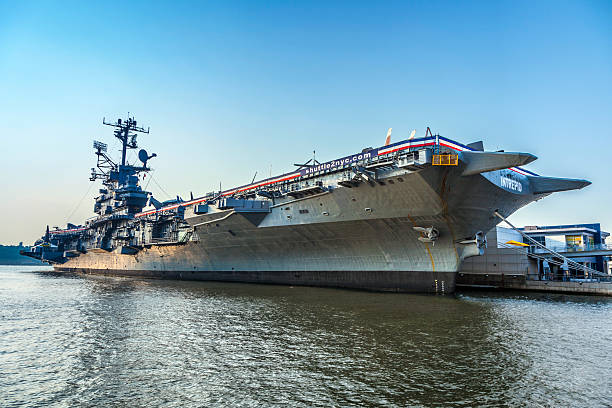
(230, 88)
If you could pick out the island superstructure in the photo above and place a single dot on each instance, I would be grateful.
(401, 217)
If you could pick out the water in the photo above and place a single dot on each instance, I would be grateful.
(72, 341)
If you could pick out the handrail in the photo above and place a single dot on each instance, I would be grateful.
(215, 220)
(566, 260)
(445, 160)
(579, 248)
(522, 250)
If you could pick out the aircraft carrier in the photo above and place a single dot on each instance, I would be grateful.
(401, 217)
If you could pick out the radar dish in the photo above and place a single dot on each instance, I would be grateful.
(143, 156)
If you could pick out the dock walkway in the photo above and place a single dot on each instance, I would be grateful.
(518, 282)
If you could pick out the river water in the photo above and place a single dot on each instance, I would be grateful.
(73, 341)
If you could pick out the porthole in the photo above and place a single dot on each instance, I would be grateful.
(401, 180)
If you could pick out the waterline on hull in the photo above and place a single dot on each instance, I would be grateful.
(380, 281)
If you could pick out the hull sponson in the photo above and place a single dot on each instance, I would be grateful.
(360, 237)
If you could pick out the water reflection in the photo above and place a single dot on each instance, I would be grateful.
(163, 343)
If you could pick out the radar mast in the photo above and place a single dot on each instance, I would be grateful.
(126, 131)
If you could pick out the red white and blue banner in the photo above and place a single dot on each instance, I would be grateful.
(338, 163)
(334, 164)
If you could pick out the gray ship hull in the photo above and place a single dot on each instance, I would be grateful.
(401, 217)
(361, 237)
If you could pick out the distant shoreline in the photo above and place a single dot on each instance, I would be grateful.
(9, 255)
(41, 264)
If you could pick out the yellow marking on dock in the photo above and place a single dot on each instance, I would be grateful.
(516, 243)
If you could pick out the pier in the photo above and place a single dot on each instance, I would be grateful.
(523, 282)
(566, 258)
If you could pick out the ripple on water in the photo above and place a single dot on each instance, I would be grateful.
(103, 341)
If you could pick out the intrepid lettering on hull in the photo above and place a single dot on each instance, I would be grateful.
(511, 184)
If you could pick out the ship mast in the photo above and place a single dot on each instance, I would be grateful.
(123, 193)
(126, 132)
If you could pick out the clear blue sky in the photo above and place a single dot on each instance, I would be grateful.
(230, 88)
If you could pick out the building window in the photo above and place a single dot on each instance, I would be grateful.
(573, 241)
(590, 241)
